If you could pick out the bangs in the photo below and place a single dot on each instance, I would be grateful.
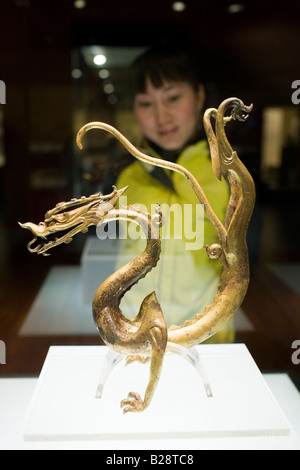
(163, 66)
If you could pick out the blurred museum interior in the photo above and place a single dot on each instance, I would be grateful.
(65, 63)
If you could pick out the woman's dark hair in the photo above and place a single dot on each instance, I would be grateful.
(160, 64)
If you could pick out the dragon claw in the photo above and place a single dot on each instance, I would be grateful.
(133, 402)
(136, 357)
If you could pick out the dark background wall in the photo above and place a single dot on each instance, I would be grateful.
(253, 54)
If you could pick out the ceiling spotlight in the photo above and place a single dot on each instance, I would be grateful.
(179, 6)
(236, 8)
(80, 4)
(99, 59)
(76, 73)
(108, 88)
(112, 99)
(103, 73)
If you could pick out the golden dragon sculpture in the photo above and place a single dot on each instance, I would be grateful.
(147, 332)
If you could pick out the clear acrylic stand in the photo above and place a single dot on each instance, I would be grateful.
(189, 354)
(193, 357)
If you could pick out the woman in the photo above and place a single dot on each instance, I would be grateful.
(168, 102)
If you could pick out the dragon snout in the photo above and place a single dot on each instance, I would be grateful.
(37, 230)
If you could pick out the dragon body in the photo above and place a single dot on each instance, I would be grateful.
(146, 334)
(147, 331)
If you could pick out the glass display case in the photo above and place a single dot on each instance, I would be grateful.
(62, 69)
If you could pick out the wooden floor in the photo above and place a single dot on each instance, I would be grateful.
(270, 305)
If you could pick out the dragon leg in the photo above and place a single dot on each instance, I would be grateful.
(158, 336)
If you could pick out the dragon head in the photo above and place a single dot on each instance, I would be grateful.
(71, 217)
(240, 112)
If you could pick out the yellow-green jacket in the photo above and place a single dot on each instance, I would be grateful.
(185, 279)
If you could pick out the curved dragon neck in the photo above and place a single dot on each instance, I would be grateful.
(242, 187)
(111, 291)
(234, 256)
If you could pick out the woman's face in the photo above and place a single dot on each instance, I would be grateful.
(169, 115)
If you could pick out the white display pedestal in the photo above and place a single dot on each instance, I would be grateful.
(64, 406)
